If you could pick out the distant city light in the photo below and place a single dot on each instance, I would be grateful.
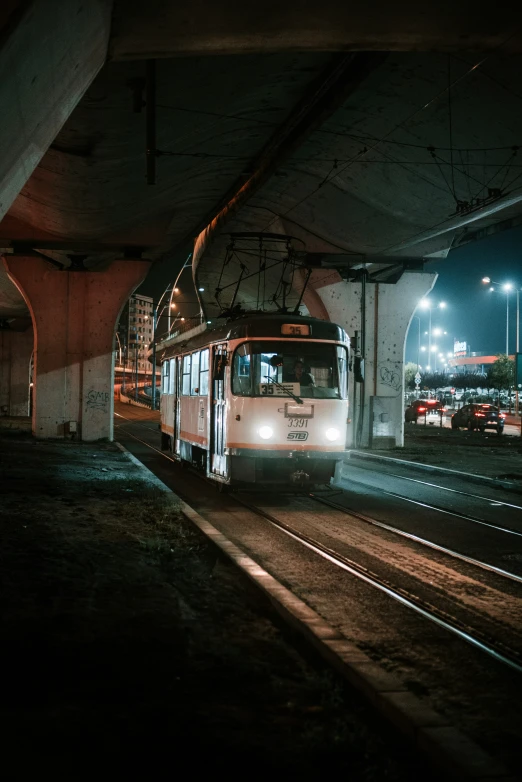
(425, 304)
(434, 348)
(428, 368)
(437, 332)
(201, 289)
(443, 305)
(450, 355)
(173, 306)
(423, 347)
(507, 287)
(176, 290)
(486, 279)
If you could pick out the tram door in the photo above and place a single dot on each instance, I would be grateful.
(218, 460)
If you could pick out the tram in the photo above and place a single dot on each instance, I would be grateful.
(260, 400)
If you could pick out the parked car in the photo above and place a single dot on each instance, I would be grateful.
(479, 416)
(429, 410)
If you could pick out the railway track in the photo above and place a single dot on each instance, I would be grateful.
(439, 487)
(499, 651)
(466, 631)
(423, 541)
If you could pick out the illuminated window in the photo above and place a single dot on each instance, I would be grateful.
(185, 383)
(172, 376)
(203, 373)
(165, 378)
(194, 384)
(315, 370)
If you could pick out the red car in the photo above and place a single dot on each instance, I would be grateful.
(427, 410)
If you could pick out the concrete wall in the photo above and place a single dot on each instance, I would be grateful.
(74, 316)
(377, 405)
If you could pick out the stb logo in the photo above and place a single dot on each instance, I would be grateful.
(297, 436)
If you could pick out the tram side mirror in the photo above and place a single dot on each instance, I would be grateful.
(358, 369)
(220, 362)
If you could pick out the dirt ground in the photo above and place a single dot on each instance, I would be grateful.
(128, 643)
(481, 454)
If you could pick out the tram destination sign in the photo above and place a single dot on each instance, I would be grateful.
(295, 329)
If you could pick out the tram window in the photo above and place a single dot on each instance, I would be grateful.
(315, 370)
(185, 386)
(172, 376)
(342, 365)
(241, 384)
(165, 378)
(203, 373)
(194, 383)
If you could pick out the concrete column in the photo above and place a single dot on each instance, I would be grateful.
(16, 349)
(377, 405)
(50, 52)
(74, 318)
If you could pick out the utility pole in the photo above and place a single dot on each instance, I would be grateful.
(154, 326)
(507, 323)
(517, 352)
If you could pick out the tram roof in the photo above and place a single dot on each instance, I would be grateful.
(250, 326)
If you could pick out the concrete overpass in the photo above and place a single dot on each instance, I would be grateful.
(355, 140)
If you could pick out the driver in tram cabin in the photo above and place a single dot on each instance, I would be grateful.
(300, 376)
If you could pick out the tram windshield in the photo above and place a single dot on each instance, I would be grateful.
(313, 370)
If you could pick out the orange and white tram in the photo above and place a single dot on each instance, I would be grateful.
(260, 400)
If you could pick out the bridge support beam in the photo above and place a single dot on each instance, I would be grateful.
(50, 53)
(16, 349)
(378, 315)
(74, 318)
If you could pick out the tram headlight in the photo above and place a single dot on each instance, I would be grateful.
(266, 432)
(332, 434)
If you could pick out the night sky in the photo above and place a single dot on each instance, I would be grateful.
(473, 314)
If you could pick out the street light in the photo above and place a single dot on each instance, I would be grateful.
(507, 287)
(426, 304)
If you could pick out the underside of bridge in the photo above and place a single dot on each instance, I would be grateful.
(295, 143)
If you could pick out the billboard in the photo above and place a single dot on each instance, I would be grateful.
(459, 349)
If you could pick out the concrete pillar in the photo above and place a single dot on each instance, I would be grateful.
(74, 318)
(16, 349)
(377, 405)
(50, 52)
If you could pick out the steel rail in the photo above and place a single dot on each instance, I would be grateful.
(431, 613)
(437, 508)
(444, 488)
(416, 539)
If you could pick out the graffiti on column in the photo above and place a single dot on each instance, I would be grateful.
(390, 377)
(97, 400)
